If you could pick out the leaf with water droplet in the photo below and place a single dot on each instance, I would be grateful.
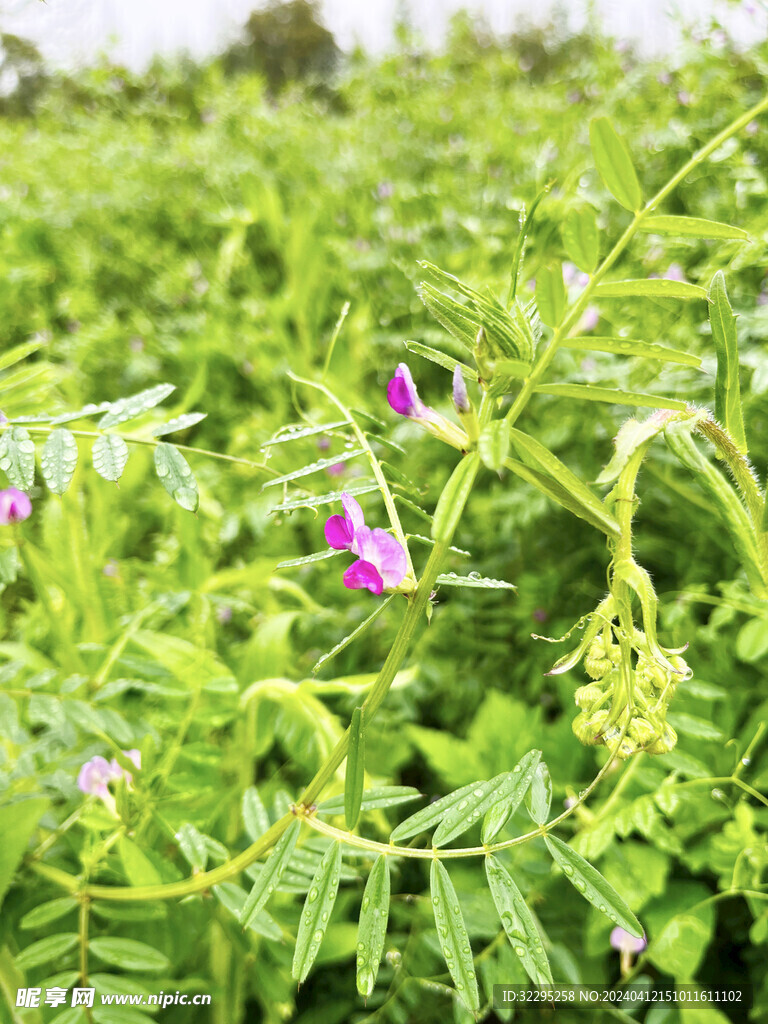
(134, 405)
(518, 922)
(58, 459)
(508, 788)
(110, 454)
(355, 774)
(270, 875)
(452, 933)
(587, 880)
(17, 457)
(374, 914)
(428, 816)
(176, 476)
(538, 799)
(314, 917)
(373, 799)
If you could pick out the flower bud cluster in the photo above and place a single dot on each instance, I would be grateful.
(627, 723)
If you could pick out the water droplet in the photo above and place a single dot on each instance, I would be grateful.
(568, 869)
(519, 950)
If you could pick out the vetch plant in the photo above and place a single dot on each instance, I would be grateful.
(508, 345)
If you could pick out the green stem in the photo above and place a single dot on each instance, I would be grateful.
(578, 307)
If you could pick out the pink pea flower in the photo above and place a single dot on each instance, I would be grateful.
(95, 775)
(626, 943)
(15, 506)
(674, 272)
(132, 755)
(460, 396)
(572, 275)
(590, 318)
(337, 469)
(381, 563)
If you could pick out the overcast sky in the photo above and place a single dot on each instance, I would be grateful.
(132, 31)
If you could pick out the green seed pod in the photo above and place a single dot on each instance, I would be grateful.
(642, 731)
(665, 742)
(587, 696)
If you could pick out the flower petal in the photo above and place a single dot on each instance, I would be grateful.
(352, 511)
(362, 574)
(383, 551)
(338, 533)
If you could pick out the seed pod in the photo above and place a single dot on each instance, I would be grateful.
(587, 696)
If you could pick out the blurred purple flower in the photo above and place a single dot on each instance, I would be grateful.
(674, 272)
(590, 318)
(337, 469)
(111, 568)
(626, 943)
(15, 506)
(224, 614)
(684, 98)
(94, 776)
(762, 298)
(402, 394)
(341, 531)
(572, 275)
(569, 802)
(752, 128)
(385, 190)
(664, 78)
(540, 614)
(324, 443)
(3, 417)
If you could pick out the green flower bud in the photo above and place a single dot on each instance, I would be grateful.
(681, 667)
(587, 696)
(588, 727)
(642, 731)
(664, 743)
(622, 747)
(651, 671)
(596, 663)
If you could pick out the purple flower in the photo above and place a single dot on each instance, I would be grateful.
(460, 396)
(572, 275)
(15, 506)
(590, 318)
(382, 562)
(684, 98)
(95, 775)
(626, 943)
(4, 418)
(402, 394)
(674, 272)
(337, 469)
(340, 531)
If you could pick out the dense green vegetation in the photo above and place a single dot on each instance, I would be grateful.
(188, 226)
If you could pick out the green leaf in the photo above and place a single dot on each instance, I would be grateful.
(554, 490)
(271, 873)
(538, 799)
(314, 467)
(58, 459)
(47, 912)
(694, 227)
(454, 496)
(690, 725)
(681, 946)
(550, 294)
(255, 817)
(727, 389)
(452, 933)
(592, 886)
(508, 788)
(17, 823)
(295, 433)
(183, 422)
(428, 816)
(324, 499)
(446, 361)
(139, 869)
(451, 579)
(372, 799)
(493, 444)
(193, 845)
(518, 922)
(629, 347)
(372, 930)
(17, 457)
(129, 408)
(581, 239)
(614, 164)
(19, 352)
(462, 323)
(176, 476)
(752, 640)
(506, 373)
(541, 458)
(316, 556)
(110, 454)
(43, 952)
(355, 773)
(652, 287)
(591, 393)
(129, 954)
(351, 637)
(233, 898)
(318, 907)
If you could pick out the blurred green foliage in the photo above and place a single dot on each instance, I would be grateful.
(185, 225)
